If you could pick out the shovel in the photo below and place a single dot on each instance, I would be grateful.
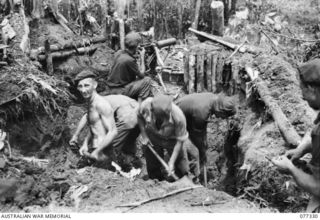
(184, 180)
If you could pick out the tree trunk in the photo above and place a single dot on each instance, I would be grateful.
(287, 130)
(121, 33)
(156, 27)
(37, 9)
(58, 16)
(233, 6)
(217, 18)
(180, 22)
(196, 16)
(139, 8)
(25, 42)
(48, 57)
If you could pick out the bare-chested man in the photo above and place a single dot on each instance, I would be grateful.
(124, 112)
(99, 117)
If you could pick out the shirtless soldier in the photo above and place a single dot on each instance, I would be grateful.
(100, 118)
(124, 144)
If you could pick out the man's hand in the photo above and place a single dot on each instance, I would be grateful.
(73, 141)
(282, 163)
(171, 168)
(294, 154)
(142, 52)
(84, 150)
(97, 155)
(144, 141)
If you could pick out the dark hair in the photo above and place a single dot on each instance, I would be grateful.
(225, 104)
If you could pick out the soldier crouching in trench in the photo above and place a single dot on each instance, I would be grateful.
(163, 125)
(310, 182)
(197, 108)
(113, 126)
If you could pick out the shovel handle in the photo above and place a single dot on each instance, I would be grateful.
(164, 164)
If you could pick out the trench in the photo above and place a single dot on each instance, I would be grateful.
(36, 134)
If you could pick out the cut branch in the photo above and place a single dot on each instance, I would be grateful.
(137, 204)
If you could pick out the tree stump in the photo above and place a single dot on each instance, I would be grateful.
(217, 18)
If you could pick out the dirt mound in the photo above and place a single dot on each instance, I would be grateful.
(260, 137)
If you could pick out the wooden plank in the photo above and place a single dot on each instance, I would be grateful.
(209, 72)
(235, 76)
(214, 72)
(192, 66)
(200, 72)
(219, 72)
(186, 67)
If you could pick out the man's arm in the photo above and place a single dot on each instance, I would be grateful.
(81, 125)
(84, 148)
(106, 115)
(306, 181)
(304, 147)
(133, 67)
(143, 133)
(181, 134)
(142, 66)
(309, 183)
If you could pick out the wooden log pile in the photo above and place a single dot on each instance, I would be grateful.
(68, 49)
(210, 72)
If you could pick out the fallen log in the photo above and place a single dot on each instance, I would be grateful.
(70, 45)
(287, 130)
(220, 40)
(64, 54)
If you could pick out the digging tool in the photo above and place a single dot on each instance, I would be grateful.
(163, 163)
(205, 176)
